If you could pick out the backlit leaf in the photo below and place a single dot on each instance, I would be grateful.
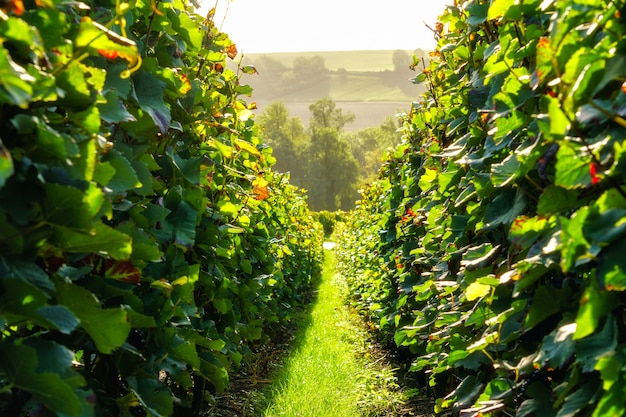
(92, 317)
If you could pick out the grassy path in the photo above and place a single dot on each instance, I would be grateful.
(330, 373)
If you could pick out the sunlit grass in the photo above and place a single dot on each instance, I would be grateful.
(328, 374)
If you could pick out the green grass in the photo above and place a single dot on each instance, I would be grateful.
(329, 373)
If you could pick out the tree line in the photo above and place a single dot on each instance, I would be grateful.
(327, 162)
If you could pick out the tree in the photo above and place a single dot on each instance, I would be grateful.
(333, 173)
(286, 136)
(309, 68)
(324, 114)
(401, 60)
(274, 118)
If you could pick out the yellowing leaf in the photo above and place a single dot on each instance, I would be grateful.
(260, 188)
(241, 144)
(476, 290)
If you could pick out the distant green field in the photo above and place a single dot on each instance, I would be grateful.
(348, 60)
(363, 82)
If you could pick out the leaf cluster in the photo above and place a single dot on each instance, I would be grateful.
(491, 248)
(145, 242)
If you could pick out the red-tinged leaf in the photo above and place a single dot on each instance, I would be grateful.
(231, 51)
(624, 87)
(123, 271)
(96, 38)
(15, 6)
(186, 85)
(545, 59)
(108, 54)
(593, 171)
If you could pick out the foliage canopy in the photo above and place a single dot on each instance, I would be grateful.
(145, 242)
(491, 248)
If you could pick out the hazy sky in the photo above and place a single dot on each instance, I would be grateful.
(327, 25)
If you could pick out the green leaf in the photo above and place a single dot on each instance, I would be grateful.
(546, 302)
(16, 83)
(6, 164)
(19, 364)
(227, 208)
(125, 177)
(594, 306)
(188, 168)
(574, 246)
(572, 166)
(606, 225)
(505, 208)
(60, 317)
(612, 403)
(64, 206)
(556, 199)
(153, 395)
(100, 239)
(31, 273)
(180, 224)
(593, 347)
(57, 359)
(578, 400)
(506, 172)
(612, 266)
(19, 300)
(477, 12)
(113, 110)
(558, 347)
(109, 328)
(150, 94)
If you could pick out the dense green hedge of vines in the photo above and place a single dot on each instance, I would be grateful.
(145, 243)
(492, 248)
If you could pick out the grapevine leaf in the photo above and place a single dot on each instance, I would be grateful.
(153, 395)
(612, 267)
(595, 346)
(60, 317)
(96, 38)
(6, 164)
(15, 82)
(556, 199)
(476, 290)
(578, 400)
(478, 13)
(19, 364)
(123, 271)
(505, 208)
(113, 110)
(612, 403)
(108, 328)
(180, 224)
(150, 95)
(594, 306)
(572, 166)
(558, 347)
(545, 59)
(546, 302)
(99, 239)
(58, 359)
(125, 177)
